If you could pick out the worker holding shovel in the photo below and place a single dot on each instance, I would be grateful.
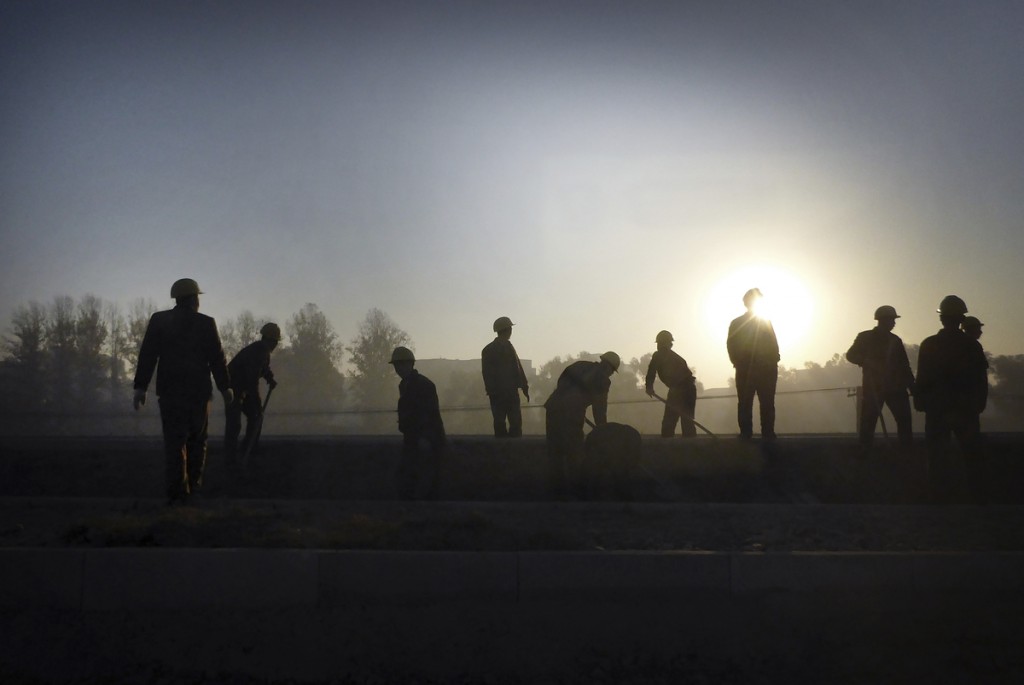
(246, 369)
(673, 371)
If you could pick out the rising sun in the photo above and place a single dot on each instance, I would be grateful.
(787, 302)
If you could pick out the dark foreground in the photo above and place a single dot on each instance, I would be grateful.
(796, 495)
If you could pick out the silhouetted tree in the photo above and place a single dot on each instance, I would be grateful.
(1008, 375)
(139, 313)
(90, 336)
(373, 380)
(25, 352)
(60, 346)
(307, 369)
(116, 350)
(238, 332)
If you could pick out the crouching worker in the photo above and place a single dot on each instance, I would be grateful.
(419, 417)
(582, 384)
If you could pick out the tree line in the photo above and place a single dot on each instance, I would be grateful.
(78, 357)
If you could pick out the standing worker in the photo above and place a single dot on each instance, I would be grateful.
(503, 379)
(886, 377)
(681, 401)
(186, 347)
(246, 369)
(419, 416)
(582, 384)
(972, 327)
(952, 381)
(754, 353)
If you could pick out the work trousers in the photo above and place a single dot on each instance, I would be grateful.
(250, 405)
(415, 465)
(898, 401)
(185, 423)
(680, 404)
(505, 408)
(760, 381)
(941, 425)
(564, 440)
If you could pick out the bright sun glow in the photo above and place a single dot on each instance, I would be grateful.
(786, 302)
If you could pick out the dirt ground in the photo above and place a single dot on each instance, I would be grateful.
(503, 526)
(808, 494)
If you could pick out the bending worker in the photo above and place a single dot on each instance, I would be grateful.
(503, 379)
(582, 384)
(681, 401)
(246, 369)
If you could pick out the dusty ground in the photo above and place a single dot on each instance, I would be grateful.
(805, 494)
(506, 526)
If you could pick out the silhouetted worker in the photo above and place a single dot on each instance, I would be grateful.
(754, 353)
(952, 381)
(582, 384)
(972, 327)
(503, 379)
(186, 347)
(246, 369)
(886, 377)
(681, 400)
(419, 417)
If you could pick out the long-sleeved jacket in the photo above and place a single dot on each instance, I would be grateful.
(503, 372)
(186, 346)
(883, 358)
(752, 342)
(670, 368)
(419, 411)
(250, 365)
(582, 384)
(952, 374)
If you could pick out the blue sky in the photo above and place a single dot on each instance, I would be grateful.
(597, 171)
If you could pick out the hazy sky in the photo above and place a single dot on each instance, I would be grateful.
(597, 171)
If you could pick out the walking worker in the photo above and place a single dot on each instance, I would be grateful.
(886, 377)
(503, 379)
(184, 349)
(681, 400)
(246, 369)
(754, 353)
(952, 381)
(582, 384)
(419, 417)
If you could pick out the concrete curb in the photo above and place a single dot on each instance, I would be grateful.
(111, 579)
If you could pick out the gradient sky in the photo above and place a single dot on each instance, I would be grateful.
(597, 171)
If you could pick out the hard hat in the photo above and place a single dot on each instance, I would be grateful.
(951, 304)
(663, 337)
(271, 330)
(501, 323)
(612, 360)
(402, 354)
(886, 312)
(183, 287)
(750, 295)
(972, 322)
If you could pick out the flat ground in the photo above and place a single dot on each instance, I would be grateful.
(809, 494)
